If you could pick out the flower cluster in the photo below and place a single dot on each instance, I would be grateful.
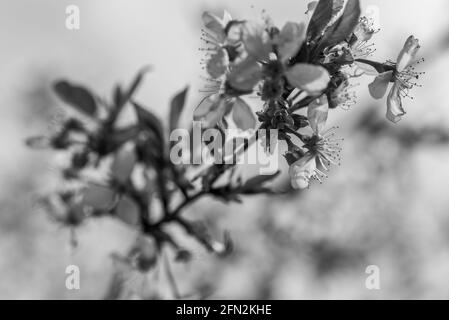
(297, 74)
(299, 66)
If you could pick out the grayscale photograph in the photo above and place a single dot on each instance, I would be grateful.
(226, 150)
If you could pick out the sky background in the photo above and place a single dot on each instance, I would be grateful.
(386, 205)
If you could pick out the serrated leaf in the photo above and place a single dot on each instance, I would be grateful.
(176, 107)
(77, 97)
(321, 17)
(343, 27)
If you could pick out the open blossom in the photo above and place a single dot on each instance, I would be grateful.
(262, 63)
(343, 96)
(222, 36)
(362, 34)
(403, 75)
(221, 42)
(323, 149)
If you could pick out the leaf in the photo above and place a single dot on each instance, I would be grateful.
(135, 84)
(343, 27)
(321, 17)
(121, 98)
(149, 121)
(176, 107)
(300, 121)
(242, 115)
(121, 136)
(78, 97)
(255, 184)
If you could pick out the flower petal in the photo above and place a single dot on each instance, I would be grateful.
(317, 114)
(210, 110)
(256, 40)
(234, 31)
(311, 6)
(301, 171)
(245, 75)
(379, 86)
(218, 64)
(366, 69)
(308, 77)
(364, 30)
(290, 40)
(394, 105)
(243, 116)
(207, 104)
(214, 24)
(226, 18)
(408, 53)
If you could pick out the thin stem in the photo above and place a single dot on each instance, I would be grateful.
(171, 279)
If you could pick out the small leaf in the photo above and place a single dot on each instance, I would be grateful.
(78, 97)
(256, 184)
(176, 107)
(343, 27)
(243, 116)
(300, 121)
(149, 121)
(134, 85)
(321, 17)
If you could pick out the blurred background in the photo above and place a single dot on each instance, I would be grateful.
(386, 205)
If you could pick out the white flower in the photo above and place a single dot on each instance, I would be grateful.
(323, 149)
(403, 75)
(343, 96)
(262, 62)
(359, 42)
(216, 39)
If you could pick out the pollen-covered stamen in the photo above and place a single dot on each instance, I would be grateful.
(209, 39)
(407, 79)
(363, 50)
(327, 147)
(212, 86)
(211, 44)
(365, 29)
(319, 175)
(344, 96)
